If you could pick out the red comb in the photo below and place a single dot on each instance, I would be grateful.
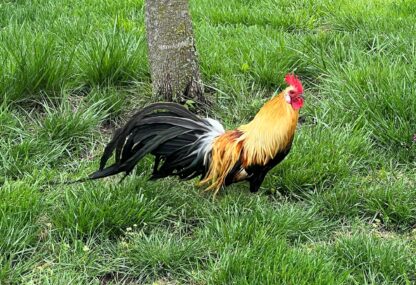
(294, 81)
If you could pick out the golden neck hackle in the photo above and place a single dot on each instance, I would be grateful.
(269, 132)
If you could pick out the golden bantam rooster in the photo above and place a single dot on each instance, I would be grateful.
(187, 146)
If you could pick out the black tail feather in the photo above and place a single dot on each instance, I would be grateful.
(168, 131)
(121, 134)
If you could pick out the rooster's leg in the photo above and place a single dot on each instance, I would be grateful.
(256, 180)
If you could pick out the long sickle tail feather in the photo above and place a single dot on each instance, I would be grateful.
(180, 141)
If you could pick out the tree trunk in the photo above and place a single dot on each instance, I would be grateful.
(172, 53)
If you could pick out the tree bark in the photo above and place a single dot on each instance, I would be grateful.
(172, 54)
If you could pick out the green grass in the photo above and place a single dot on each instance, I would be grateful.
(341, 209)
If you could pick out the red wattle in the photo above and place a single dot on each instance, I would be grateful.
(297, 103)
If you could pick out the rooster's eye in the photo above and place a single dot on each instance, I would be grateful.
(291, 92)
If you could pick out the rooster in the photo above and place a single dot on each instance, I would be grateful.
(188, 146)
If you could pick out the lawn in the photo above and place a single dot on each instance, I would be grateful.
(341, 209)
